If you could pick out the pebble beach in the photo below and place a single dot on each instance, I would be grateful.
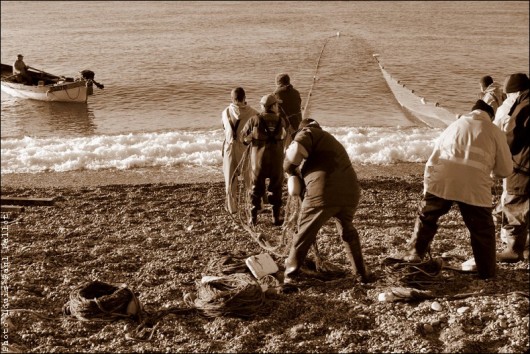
(156, 231)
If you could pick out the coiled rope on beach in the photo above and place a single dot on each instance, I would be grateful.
(226, 265)
(99, 301)
(237, 294)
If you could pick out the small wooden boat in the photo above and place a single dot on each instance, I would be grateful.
(48, 87)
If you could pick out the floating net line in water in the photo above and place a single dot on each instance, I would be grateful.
(429, 113)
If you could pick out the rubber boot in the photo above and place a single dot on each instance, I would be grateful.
(253, 216)
(514, 251)
(276, 216)
(355, 256)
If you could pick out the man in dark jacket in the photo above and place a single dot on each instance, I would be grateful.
(291, 104)
(331, 190)
(266, 132)
(516, 225)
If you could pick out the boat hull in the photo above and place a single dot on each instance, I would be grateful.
(76, 91)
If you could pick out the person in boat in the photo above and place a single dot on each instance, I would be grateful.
(491, 92)
(233, 118)
(20, 69)
(515, 230)
(290, 107)
(266, 132)
(331, 190)
(466, 155)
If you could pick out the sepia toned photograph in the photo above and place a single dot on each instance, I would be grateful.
(265, 176)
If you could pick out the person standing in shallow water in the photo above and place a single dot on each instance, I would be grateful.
(234, 117)
(266, 133)
(459, 170)
(290, 106)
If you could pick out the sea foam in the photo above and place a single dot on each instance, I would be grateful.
(193, 148)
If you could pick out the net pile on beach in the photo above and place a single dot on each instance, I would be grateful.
(99, 301)
(237, 294)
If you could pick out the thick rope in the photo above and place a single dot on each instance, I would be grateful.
(315, 78)
(237, 294)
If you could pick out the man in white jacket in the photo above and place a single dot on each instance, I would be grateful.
(491, 92)
(459, 170)
(234, 117)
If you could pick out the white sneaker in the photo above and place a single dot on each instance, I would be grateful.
(469, 265)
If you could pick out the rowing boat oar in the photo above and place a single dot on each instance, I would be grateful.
(44, 72)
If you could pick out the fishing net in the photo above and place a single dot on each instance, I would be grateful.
(237, 294)
(426, 111)
(97, 300)
(273, 239)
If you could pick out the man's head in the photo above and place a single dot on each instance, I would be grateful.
(485, 81)
(238, 95)
(20, 56)
(483, 106)
(516, 82)
(270, 103)
(283, 80)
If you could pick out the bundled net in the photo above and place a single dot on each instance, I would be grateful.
(97, 300)
(237, 294)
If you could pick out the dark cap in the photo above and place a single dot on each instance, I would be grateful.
(269, 100)
(283, 79)
(308, 122)
(20, 56)
(516, 82)
(483, 106)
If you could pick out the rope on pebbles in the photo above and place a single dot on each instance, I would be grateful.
(237, 294)
(99, 301)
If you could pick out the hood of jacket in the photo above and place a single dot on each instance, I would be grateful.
(477, 114)
(237, 110)
(495, 90)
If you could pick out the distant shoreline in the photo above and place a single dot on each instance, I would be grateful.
(184, 175)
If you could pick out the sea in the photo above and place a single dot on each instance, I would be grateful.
(168, 68)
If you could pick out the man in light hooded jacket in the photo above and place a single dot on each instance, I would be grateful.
(459, 170)
(515, 229)
(234, 117)
(491, 92)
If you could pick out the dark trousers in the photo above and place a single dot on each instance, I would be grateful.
(311, 220)
(274, 188)
(478, 220)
